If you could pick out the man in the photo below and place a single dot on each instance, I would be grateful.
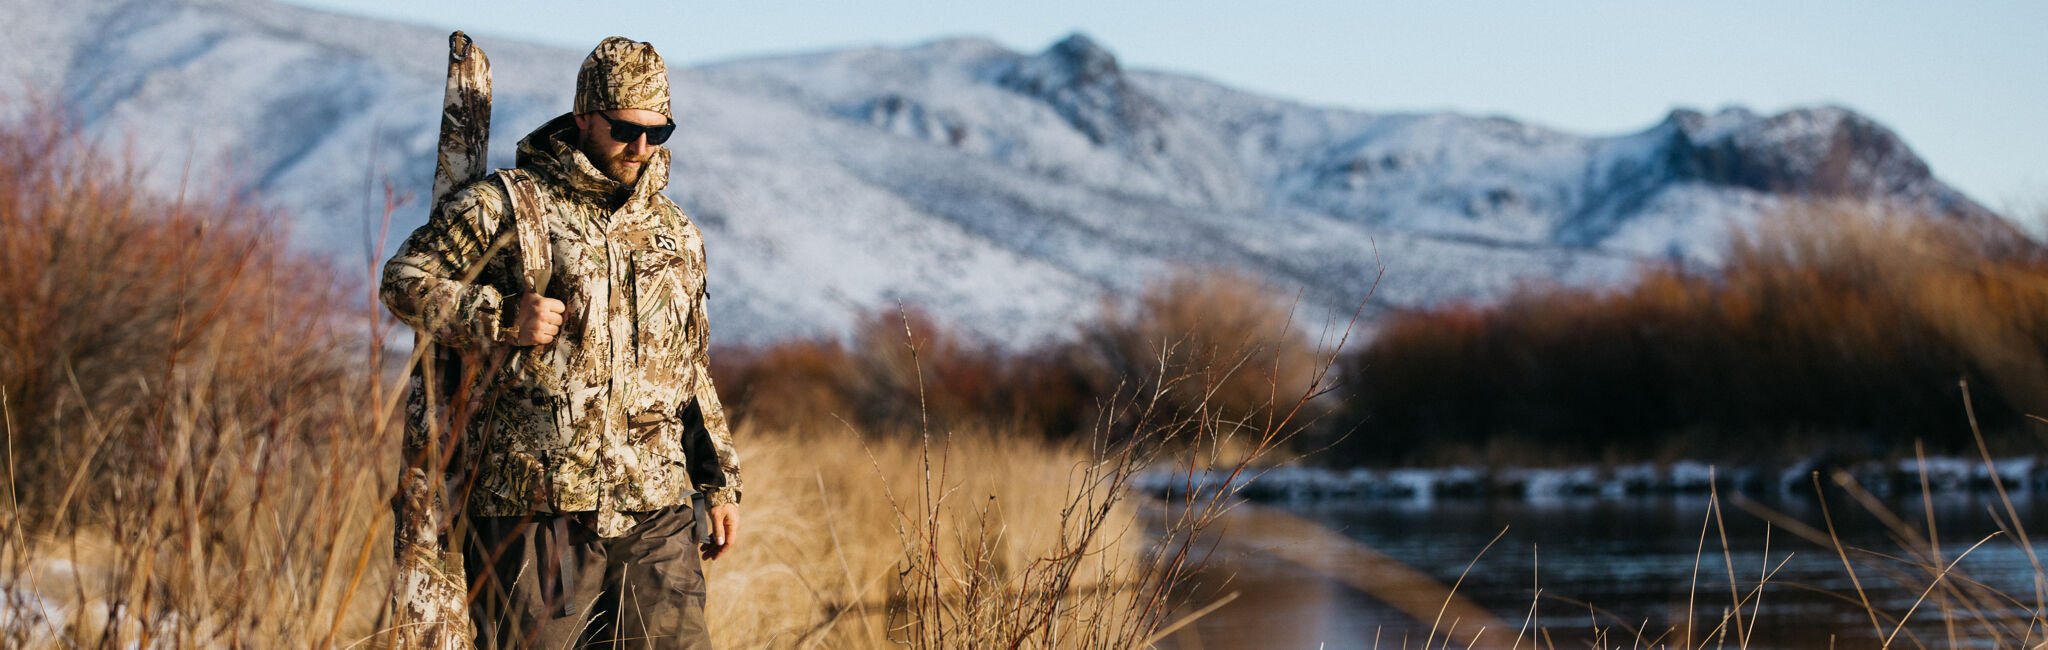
(580, 467)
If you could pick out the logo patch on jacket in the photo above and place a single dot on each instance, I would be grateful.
(665, 242)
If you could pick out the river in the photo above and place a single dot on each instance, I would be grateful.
(1625, 571)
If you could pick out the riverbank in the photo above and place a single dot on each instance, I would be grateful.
(2019, 475)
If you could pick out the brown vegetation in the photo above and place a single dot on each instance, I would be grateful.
(114, 309)
(1213, 344)
(184, 428)
(1829, 327)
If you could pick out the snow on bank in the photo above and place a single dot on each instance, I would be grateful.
(2019, 476)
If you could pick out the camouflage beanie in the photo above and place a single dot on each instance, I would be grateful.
(622, 73)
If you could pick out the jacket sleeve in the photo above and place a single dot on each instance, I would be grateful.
(714, 464)
(424, 282)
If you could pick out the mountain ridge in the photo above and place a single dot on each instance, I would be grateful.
(1008, 193)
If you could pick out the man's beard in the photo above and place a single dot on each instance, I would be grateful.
(619, 171)
(615, 167)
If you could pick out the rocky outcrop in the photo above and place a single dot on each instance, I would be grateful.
(1824, 152)
(1082, 80)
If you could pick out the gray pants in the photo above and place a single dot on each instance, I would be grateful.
(550, 582)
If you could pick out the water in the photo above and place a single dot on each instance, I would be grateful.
(1611, 568)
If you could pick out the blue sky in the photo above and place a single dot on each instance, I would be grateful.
(1964, 82)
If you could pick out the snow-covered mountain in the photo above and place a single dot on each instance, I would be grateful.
(1006, 192)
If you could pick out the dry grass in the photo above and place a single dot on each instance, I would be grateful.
(1002, 537)
(826, 537)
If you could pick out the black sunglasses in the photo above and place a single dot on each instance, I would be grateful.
(624, 131)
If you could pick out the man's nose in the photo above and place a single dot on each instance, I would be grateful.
(638, 145)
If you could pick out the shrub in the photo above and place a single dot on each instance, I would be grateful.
(1213, 344)
(123, 307)
(185, 432)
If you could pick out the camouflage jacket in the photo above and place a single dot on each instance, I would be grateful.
(617, 415)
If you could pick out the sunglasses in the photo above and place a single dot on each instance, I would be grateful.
(627, 131)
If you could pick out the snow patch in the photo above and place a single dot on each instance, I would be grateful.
(2022, 476)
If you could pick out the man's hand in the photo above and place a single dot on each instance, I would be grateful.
(538, 319)
(725, 520)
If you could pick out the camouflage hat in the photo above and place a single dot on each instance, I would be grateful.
(622, 73)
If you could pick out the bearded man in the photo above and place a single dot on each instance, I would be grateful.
(581, 466)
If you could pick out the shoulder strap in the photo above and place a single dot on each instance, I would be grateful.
(530, 222)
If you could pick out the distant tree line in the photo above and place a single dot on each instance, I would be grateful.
(1829, 329)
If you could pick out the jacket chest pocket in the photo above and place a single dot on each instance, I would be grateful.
(662, 297)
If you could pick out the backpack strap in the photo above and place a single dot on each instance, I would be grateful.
(529, 219)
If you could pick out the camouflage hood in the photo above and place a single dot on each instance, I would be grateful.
(551, 152)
